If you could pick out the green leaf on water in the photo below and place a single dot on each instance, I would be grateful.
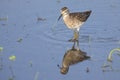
(12, 58)
(1, 49)
(111, 52)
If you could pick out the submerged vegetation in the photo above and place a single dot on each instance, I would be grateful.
(4, 18)
(1, 58)
(12, 58)
(36, 76)
(108, 66)
(19, 40)
(110, 59)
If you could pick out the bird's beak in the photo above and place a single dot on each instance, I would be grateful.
(59, 17)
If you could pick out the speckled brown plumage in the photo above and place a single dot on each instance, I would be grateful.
(82, 16)
(74, 20)
(72, 56)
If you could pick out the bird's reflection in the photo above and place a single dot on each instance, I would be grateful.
(72, 56)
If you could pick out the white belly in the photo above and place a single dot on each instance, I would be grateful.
(72, 23)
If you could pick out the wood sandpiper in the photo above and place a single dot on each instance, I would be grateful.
(74, 21)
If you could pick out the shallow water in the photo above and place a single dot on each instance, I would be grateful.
(26, 32)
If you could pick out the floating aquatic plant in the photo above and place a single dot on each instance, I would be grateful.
(12, 58)
(1, 59)
(41, 19)
(107, 67)
(111, 52)
(19, 40)
(4, 18)
(1, 49)
(109, 59)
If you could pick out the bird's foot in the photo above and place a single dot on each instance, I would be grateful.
(73, 40)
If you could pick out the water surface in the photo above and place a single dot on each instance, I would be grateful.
(25, 31)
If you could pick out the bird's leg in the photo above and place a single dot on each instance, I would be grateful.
(73, 47)
(75, 37)
(77, 45)
(76, 40)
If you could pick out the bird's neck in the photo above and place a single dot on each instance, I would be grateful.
(65, 16)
